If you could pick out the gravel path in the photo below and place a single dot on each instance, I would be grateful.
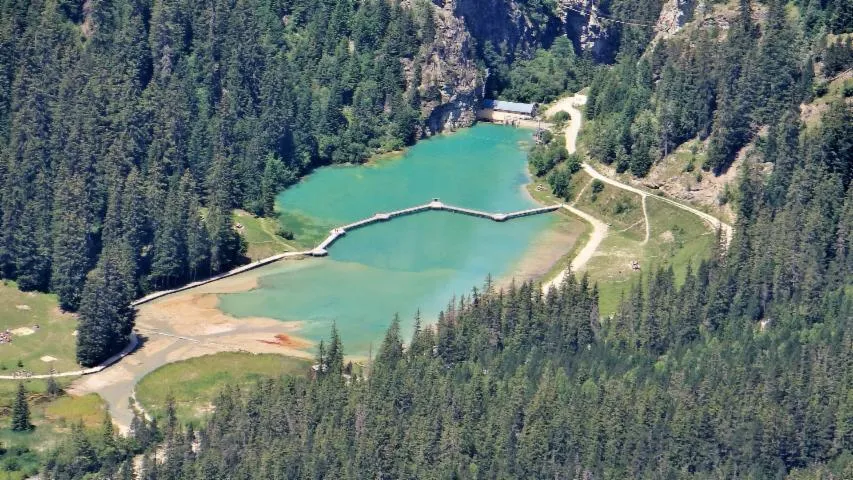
(599, 228)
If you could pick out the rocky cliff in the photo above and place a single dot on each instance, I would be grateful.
(451, 83)
(519, 27)
(673, 16)
(509, 25)
(447, 73)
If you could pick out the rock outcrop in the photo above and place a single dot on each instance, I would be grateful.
(673, 16)
(581, 24)
(519, 28)
(507, 24)
(450, 75)
(446, 72)
(446, 75)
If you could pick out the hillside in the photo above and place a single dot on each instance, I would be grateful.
(131, 130)
(135, 134)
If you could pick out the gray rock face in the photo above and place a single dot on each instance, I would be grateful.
(519, 28)
(449, 80)
(673, 16)
(507, 24)
(582, 23)
(451, 83)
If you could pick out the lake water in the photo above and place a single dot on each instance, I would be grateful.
(414, 262)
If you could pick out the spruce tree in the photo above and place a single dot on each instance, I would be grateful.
(72, 243)
(106, 317)
(335, 355)
(170, 248)
(21, 411)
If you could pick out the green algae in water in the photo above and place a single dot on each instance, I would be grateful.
(414, 262)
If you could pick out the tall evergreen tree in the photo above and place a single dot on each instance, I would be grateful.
(21, 411)
(106, 317)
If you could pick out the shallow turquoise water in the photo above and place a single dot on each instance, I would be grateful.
(415, 262)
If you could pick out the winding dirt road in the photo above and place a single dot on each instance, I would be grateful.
(165, 343)
(713, 221)
(599, 232)
(569, 104)
(599, 228)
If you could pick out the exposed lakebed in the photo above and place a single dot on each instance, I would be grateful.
(415, 262)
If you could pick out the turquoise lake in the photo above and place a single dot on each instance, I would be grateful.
(414, 262)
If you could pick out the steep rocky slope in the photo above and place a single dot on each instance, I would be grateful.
(452, 75)
(520, 26)
(451, 83)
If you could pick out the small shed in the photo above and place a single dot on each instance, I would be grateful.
(524, 109)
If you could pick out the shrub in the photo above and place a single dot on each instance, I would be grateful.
(622, 205)
(561, 117)
(560, 180)
(285, 234)
(725, 196)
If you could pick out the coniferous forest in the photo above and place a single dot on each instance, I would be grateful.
(716, 84)
(130, 130)
(743, 370)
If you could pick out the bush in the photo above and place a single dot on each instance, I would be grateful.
(560, 180)
(285, 234)
(597, 186)
(543, 157)
(573, 163)
(561, 117)
(725, 196)
(622, 205)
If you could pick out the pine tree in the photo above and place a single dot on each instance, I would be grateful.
(106, 318)
(170, 248)
(85, 458)
(171, 417)
(391, 350)
(335, 355)
(32, 239)
(271, 183)
(135, 219)
(108, 451)
(198, 244)
(21, 411)
(72, 246)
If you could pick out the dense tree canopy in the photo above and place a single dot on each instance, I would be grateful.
(743, 368)
(132, 128)
(714, 86)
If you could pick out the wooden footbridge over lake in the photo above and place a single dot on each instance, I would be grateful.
(436, 204)
(322, 249)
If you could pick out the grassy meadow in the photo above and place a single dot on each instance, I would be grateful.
(51, 345)
(195, 383)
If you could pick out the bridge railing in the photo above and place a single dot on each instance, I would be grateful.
(336, 233)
